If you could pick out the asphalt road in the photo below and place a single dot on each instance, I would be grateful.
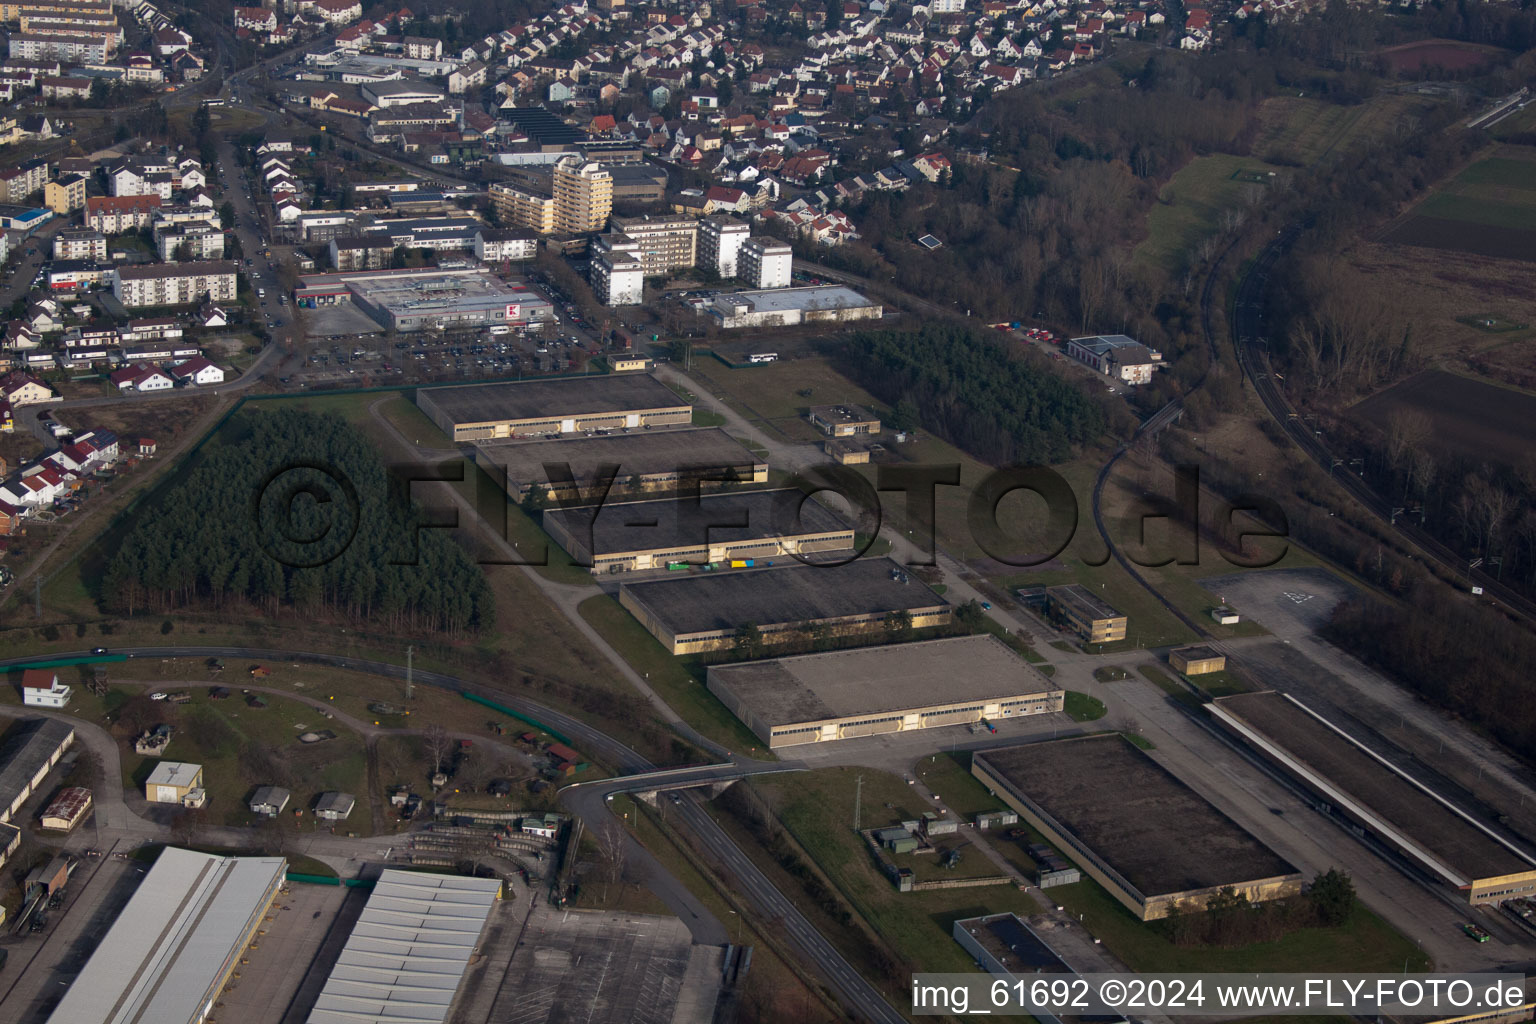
(590, 802)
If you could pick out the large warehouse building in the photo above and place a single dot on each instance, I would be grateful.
(630, 536)
(426, 298)
(176, 942)
(1158, 846)
(815, 698)
(645, 460)
(535, 408)
(784, 307)
(31, 749)
(408, 951)
(1367, 791)
(702, 613)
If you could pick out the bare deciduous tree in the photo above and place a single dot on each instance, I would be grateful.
(613, 853)
(438, 744)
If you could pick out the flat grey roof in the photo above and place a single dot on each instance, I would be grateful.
(639, 452)
(1099, 344)
(1160, 835)
(680, 522)
(538, 399)
(845, 413)
(870, 680)
(408, 951)
(170, 942)
(28, 746)
(1198, 652)
(1421, 817)
(1082, 597)
(800, 593)
(779, 300)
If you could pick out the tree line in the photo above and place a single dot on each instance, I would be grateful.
(970, 390)
(1452, 653)
(297, 512)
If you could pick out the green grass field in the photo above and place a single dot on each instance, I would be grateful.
(221, 735)
(670, 676)
(817, 808)
(1474, 209)
(1501, 172)
(1365, 943)
(1190, 206)
(1082, 708)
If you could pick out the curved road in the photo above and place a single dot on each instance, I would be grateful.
(858, 996)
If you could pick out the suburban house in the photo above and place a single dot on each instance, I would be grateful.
(198, 372)
(40, 688)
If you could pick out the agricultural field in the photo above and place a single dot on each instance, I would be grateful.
(1470, 313)
(1489, 209)
(1470, 417)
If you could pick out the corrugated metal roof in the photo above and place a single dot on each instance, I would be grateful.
(409, 950)
(161, 958)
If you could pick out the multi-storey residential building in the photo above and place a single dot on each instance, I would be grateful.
(66, 195)
(766, 263)
(174, 284)
(666, 243)
(11, 10)
(720, 242)
(17, 183)
(76, 49)
(583, 196)
(112, 215)
(511, 244)
(616, 273)
(362, 252)
(203, 242)
(522, 206)
(79, 244)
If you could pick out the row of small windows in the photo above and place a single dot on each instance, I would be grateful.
(796, 729)
(871, 721)
(955, 711)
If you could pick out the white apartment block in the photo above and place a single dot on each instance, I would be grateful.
(720, 242)
(174, 284)
(76, 49)
(205, 241)
(765, 263)
(80, 244)
(616, 273)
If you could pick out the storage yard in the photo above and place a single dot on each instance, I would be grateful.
(702, 612)
(1363, 788)
(817, 698)
(478, 412)
(1158, 846)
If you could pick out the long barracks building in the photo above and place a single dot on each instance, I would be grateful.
(534, 408)
(715, 529)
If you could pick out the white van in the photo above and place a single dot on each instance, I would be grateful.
(500, 329)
